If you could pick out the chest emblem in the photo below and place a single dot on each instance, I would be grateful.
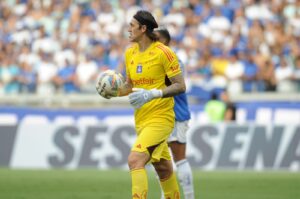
(139, 68)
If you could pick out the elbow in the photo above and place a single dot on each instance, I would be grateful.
(183, 88)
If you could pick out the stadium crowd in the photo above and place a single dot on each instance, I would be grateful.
(60, 46)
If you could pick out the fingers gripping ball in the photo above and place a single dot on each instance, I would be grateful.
(109, 84)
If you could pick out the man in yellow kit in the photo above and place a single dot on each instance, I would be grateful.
(148, 62)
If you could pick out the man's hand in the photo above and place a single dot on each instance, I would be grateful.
(140, 96)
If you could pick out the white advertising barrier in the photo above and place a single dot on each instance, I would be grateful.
(37, 142)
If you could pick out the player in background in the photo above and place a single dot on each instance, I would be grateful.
(147, 63)
(177, 139)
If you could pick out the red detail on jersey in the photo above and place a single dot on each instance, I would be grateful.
(174, 68)
(166, 52)
(139, 146)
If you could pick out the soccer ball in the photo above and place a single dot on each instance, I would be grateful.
(109, 83)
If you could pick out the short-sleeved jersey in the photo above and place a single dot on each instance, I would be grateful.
(148, 70)
(181, 108)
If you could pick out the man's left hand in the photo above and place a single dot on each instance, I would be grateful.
(140, 96)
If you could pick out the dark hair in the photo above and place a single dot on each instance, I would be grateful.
(163, 32)
(145, 18)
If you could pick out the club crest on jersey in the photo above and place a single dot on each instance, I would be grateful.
(139, 68)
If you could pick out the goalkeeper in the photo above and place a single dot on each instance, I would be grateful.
(177, 140)
(147, 63)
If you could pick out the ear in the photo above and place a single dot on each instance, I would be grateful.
(144, 28)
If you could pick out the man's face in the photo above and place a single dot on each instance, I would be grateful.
(135, 30)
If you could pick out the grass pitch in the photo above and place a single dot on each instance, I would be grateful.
(116, 184)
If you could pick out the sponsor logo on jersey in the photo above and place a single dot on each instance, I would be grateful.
(143, 81)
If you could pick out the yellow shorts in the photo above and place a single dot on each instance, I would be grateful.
(149, 136)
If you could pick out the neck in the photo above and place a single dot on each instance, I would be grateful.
(144, 43)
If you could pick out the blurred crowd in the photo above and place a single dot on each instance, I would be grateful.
(60, 46)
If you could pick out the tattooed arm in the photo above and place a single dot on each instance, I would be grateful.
(177, 86)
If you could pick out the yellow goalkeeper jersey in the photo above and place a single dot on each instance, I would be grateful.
(148, 70)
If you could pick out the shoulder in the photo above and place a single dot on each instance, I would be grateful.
(165, 50)
(131, 48)
(161, 47)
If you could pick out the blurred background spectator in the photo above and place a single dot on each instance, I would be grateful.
(220, 108)
(215, 109)
(238, 45)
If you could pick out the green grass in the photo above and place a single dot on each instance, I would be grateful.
(115, 184)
